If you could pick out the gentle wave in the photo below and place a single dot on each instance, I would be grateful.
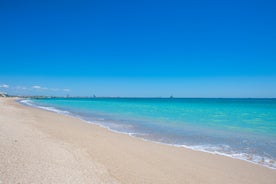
(52, 109)
(223, 150)
(217, 150)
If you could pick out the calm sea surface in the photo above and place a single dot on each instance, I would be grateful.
(240, 128)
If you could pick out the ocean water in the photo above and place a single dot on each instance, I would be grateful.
(239, 128)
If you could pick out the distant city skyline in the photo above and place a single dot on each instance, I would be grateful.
(138, 49)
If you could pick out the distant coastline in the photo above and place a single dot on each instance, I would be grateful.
(42, 96)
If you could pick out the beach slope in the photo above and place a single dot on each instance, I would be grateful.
(38, 146)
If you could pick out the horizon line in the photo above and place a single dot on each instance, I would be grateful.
(133, 97)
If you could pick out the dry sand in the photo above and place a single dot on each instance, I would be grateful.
(38, 146)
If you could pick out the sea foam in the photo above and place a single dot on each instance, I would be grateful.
(52, 109)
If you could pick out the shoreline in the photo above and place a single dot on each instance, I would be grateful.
(67, 113)
(122, 158)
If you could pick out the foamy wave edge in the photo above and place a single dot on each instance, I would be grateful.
(255, 159)
(52, 109)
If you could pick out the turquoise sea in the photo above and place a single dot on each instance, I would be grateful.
(239, 128)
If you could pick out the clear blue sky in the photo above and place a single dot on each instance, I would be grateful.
(138, 48)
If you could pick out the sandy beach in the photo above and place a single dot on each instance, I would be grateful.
(38, 146)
